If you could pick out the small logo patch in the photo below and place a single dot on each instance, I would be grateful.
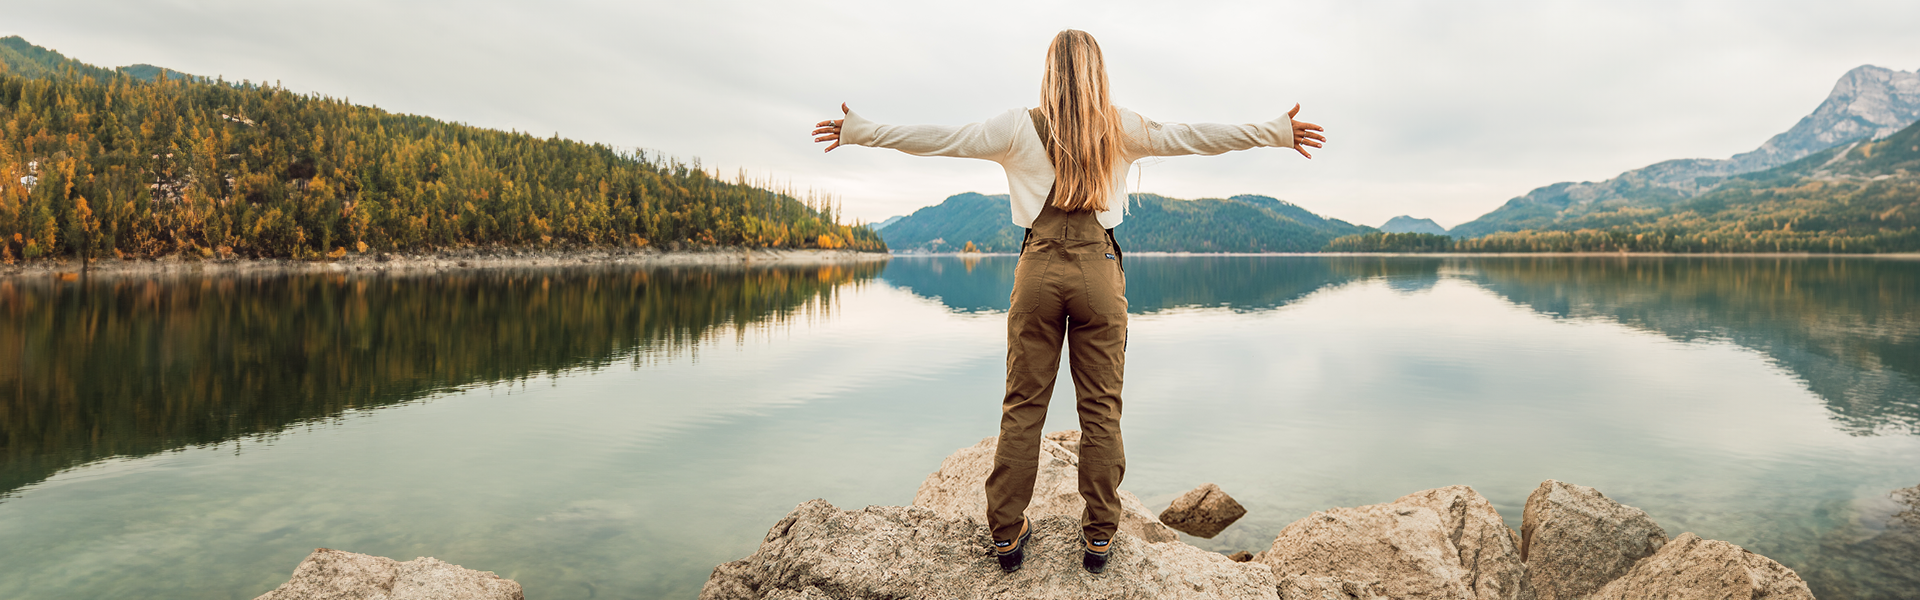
(1109, 256)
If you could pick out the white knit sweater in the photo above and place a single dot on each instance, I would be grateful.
(1009, 139)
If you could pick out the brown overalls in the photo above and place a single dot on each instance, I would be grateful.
(1069, 283)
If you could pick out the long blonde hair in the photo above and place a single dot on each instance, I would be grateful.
(1087, 136)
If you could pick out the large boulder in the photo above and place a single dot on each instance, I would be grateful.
(890, 552)
(1203, 511)
(1442, 543)
(335, 575)
(1488, 549)
(1574, 539)
(1691, 568)
(959, 489)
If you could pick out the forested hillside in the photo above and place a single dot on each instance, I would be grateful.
(1154, 224)
(101, 162)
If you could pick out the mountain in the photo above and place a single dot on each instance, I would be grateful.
(19, 57)
(889, 221)
(1407, 224)
(1154, 223)
(1868, 102)
(1862, 196)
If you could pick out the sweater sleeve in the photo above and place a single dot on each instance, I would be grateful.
(1155, 138)
(989, 140)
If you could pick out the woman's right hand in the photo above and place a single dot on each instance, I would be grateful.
(1304, 134)
(829, 131)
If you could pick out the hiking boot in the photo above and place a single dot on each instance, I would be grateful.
(1011, 554)
(1095, 559)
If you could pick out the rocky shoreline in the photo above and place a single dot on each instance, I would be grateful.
(1444, 543)
(1441, 543)
(442, 261)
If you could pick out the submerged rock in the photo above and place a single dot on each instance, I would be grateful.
(1203, 511)
(1442, 543)
(890, 552)
(958, 490)
(1574, 539)
(336, 575)
(1691, 567)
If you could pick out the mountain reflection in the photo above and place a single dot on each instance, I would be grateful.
(134, 367)
(1158, 283)
(1848, 327)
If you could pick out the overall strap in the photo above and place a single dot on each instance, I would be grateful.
(1041, 127)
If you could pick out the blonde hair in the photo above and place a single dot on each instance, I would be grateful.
(1085, 130)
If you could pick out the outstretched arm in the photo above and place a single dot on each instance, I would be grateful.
(990, 140)
(1176, 139)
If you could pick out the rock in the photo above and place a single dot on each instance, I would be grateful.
(1203, 512)
(1910, 499)
(336, 575)
(819, 551)
(958, 490)
(1241, 556)
(1067, 438)
(1489, 550)
(1575, 540)
(1689, 567)
(1443, 543)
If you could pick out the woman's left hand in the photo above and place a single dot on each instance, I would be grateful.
(1305, 134)
(829, 131)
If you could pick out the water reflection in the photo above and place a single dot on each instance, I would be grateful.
(1848, 327)
(134, 367)
(1159, 283)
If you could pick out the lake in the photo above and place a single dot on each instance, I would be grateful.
(599, 433)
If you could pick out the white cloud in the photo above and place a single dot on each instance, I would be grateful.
(1442, 110)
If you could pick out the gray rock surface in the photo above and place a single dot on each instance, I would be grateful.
(819, 551)
(1693, 568)
(1574, 539)
(336, 575)
(958, 489)
(1443, 543)
(1203, 511)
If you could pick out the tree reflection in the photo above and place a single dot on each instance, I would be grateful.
(1848, 327)
(92, 370)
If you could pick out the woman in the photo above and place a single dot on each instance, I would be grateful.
(1066, 165)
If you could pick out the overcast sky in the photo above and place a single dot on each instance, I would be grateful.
(1434, 109)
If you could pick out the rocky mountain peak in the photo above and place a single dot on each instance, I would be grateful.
(1867, 101)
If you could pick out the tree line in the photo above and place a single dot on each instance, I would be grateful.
(109, 164)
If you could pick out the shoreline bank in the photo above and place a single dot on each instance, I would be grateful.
(1144, 254)
(427, 263)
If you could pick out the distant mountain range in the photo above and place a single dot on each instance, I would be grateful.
(1154, 223)
(22, 58)
(1867, 103)
(1407, 224)
(1862, 196)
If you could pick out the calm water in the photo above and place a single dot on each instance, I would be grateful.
(615, 434)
